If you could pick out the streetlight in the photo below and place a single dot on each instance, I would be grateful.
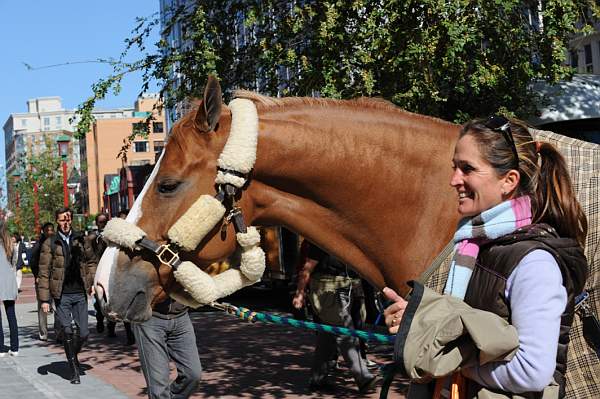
(36, 209)
(16, 177)
(63, 151)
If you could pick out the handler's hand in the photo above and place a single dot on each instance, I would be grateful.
(393, 313)
(298, 300)
(45, 307)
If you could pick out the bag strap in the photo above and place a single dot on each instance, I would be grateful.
(591, 326)
(437, 262)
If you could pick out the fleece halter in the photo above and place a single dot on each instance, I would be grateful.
(234, 165)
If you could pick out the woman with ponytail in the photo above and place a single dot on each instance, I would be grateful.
(517, 267)
(8, 293)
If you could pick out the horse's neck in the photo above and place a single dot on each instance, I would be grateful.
(370, 188)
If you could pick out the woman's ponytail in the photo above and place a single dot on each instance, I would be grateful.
(555, 200)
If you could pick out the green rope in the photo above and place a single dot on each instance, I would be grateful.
(247, 314)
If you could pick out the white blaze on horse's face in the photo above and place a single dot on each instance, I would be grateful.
(108, 261)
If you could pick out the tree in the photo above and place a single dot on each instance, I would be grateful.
(454, 59)
(43, 170)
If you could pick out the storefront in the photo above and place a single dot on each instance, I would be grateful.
(111, 194)
(132, 180)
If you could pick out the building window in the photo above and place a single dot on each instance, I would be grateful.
(157, 127)
(23, 122)
(589, 66)
(158, 145)
(139, 127)
(46, 121)
(140, 146)
(140, 162)
(58, 120)
(574, 59)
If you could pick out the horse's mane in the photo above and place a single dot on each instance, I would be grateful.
(377, 103)
(263, 101)
(266, 102)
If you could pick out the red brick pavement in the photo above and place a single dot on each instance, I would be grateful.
(239, 360)
(27, 294)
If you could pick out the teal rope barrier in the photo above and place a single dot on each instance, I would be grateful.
(247, 314)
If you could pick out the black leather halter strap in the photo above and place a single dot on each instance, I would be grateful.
(168, 253)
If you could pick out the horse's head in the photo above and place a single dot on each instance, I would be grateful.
(130, 281)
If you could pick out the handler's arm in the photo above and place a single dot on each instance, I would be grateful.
(303, 279)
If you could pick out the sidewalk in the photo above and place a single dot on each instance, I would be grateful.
(40, 370)
(239, 360)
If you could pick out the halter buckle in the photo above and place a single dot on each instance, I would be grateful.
(166, 255)
(235, 210)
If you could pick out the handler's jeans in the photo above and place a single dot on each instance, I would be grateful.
(161, 340)
(332, 300)
(73, 307)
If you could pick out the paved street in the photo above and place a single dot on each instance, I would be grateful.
(240, 360)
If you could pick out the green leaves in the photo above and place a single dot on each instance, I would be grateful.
(453, 59)
(44, 171)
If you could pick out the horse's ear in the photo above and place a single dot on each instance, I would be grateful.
(209, 112)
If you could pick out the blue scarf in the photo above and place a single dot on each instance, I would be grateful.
(495, 222)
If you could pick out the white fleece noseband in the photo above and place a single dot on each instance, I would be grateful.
(239, 155)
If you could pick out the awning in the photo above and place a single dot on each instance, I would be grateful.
(574, 100)
(111, 184)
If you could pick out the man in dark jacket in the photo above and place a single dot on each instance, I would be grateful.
(67, 267)
(47, 231)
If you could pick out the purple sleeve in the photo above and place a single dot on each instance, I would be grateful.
(537, 300)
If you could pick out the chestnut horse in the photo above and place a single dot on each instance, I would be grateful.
(362, 179)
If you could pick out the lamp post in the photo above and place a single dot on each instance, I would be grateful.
(63, 151)
(16, 177)
(36, 209)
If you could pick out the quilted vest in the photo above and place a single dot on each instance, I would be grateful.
(498, 258)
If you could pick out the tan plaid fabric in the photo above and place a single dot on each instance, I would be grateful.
(583, 368)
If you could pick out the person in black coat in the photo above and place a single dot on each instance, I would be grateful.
(47, 231)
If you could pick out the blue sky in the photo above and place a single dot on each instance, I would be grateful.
(42, 33)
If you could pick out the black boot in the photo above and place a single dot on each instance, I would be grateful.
(77, 344)
(71, 360)
(110, 325)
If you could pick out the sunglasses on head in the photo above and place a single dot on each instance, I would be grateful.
(501, 125)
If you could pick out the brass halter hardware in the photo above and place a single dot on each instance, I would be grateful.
(168, 253)
(167, 256)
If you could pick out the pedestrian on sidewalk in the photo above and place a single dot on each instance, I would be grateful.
(47, 231)
(18, 258)
(333, 289)
(8, 293)
(168, 336)
(67, 268)
(98, 245)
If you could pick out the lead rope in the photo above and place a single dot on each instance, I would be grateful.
(251, 316)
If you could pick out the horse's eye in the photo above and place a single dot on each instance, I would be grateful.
(168, 187)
